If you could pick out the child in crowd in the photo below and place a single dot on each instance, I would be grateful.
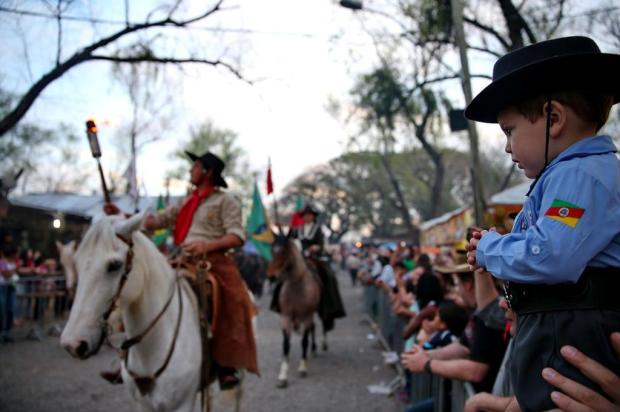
(561, 263)
(446, 326)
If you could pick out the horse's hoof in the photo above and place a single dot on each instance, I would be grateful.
(325, 346)
(282, 384)
(303, 374)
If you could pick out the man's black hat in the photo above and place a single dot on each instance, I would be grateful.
(211, 162)
(568, 63)
(309, 209)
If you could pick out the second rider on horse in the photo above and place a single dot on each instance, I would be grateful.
(313, 248)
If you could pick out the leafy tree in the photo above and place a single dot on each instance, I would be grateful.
(353, 191)
(47, 156)
(223, 143)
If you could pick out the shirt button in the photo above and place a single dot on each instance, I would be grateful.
(535, 250)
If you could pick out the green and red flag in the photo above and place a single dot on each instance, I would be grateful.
(565, 212)
(297, 219)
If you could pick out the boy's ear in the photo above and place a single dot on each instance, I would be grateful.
(558, 118)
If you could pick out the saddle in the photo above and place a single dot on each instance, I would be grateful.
(206, 288)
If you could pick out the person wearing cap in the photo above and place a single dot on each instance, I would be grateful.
(207, 224)
(312, 242)
(561, 262)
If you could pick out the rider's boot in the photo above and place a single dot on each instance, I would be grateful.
(228, 378)
(113, 376)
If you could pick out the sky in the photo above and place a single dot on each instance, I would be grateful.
(298, 54)
(288, 53)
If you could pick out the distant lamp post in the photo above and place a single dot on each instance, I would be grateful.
(352, 4)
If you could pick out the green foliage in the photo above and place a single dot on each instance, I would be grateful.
(433, 17)
(24, 144)
(223, 143)
(378, 94)
(354, 189)
(49, 156)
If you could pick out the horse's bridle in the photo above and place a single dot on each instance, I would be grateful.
(144, 383)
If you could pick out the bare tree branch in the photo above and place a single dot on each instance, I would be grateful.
(86, 54)
(489, 30)
(168, 60)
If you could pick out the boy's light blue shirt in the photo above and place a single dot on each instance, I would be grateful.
(544, 250)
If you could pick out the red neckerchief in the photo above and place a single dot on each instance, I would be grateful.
(186, 213)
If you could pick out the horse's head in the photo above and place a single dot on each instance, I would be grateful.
(281, 254)
(104, 262)
(66, 255)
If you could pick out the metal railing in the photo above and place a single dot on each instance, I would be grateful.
(449, 395)
(40, 299)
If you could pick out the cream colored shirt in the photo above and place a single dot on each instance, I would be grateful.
(218, 215)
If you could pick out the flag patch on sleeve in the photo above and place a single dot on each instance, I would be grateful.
(565, 212)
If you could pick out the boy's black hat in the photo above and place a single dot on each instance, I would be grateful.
(562, 64)
(212, 162)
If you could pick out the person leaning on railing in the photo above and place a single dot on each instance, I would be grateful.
(477, 357)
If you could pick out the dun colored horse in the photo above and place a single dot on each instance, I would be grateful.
(298, 301)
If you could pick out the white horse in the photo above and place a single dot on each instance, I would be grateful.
(117, 263)
(66, 255)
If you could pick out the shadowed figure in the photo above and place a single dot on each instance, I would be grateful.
(298, 300)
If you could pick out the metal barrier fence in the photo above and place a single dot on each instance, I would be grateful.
(448, 395)
(39, 298)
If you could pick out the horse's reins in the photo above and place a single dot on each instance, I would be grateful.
(144, 383)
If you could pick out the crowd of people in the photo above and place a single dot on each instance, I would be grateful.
(27, 281)
(445, 320)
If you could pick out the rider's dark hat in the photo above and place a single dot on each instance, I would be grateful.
(309, 209)
(568, 63)
(211, 162)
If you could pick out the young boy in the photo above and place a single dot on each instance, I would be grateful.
(446, 326)
(561, 263)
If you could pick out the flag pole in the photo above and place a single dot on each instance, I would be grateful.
(270, 190)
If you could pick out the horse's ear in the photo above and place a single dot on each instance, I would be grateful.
(289, 233)
(126, 227)
(73, 245)
(59, 246)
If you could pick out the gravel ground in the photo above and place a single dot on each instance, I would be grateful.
(41, 376)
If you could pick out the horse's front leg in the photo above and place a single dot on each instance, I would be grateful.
(286, 348)
(303, 368)
(313, 337)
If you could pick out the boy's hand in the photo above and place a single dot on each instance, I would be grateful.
(476, 236)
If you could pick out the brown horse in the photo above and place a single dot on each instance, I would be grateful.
(299, 299)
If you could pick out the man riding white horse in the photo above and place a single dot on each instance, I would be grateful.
(207, 224)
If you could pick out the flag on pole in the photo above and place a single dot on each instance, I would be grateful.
(160, 235)
(269, 181)
(297, 219)
(257, 226)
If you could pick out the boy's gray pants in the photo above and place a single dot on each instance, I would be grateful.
(537, 345)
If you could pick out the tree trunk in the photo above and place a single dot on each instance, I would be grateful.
(402, 205)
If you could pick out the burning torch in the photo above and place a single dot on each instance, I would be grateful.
(91, 133)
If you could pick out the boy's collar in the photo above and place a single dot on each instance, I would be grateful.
(600, 144)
